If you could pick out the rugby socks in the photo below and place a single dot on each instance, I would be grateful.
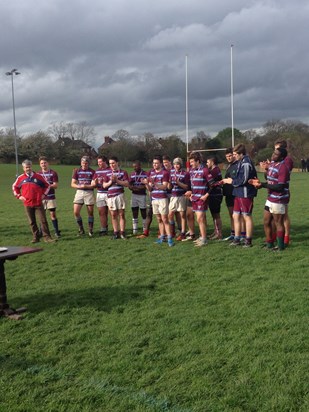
(243, 235)
(135, 226)
(286, 240)
(90, 223)
(280, 240)
(79, 221)
(172, 225)
(81, 230)
(55, 224)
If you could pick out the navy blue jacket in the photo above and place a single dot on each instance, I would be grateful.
(245, 171)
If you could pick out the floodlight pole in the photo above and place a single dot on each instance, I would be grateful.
(12, 73)
(232, 97)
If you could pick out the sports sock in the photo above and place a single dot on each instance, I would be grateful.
(90, 223)
(55, 224)
(79, 221)
(135, 224)
(280, 240)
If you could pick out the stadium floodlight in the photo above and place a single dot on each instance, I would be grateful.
(12, 73)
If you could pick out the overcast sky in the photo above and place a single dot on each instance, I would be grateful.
(121, 63)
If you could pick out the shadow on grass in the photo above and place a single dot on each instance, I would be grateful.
(105, 299)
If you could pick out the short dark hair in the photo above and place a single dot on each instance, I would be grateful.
(282, 143)
(104, 158)
(214, 159)
(114, 158)
(43, 158)
(240, 149)
(157, 157)
(196, 156)
(166, 157)
(229, 150)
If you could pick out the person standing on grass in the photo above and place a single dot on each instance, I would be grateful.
(290, 164)
(244, 194)
(278, 177)
(180, 181)
(138, 198)
(228, 193)
(157, 184)
(215, 197)
(49, 202)
(200, 179)
(115, 180)
(31, 188)
(82, 181)
(101, 200)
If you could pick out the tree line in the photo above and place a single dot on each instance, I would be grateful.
(65, 142)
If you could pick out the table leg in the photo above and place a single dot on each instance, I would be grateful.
(5, 309)
(3, 298)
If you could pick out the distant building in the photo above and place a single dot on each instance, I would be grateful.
(79, 146)
(107, 142)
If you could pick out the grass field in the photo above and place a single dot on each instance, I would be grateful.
(134, 326)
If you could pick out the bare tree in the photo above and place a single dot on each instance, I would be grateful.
(75, 131)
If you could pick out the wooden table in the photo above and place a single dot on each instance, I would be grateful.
(11, 253)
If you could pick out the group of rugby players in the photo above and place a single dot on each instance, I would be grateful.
(175, 197)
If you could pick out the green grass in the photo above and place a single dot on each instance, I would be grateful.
(134, 326)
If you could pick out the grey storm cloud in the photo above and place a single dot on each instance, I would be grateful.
(121, 64)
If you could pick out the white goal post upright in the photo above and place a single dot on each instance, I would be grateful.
(232, 96)
(187, 116)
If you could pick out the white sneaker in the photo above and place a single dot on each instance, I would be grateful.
(202, 242)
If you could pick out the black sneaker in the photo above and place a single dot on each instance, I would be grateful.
(81, 232)
(123, 236)
(58, 234)
(115, 236)
(103, 233)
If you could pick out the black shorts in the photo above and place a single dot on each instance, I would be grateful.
(229, 201)
(215, 203)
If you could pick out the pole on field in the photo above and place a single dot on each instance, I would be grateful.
(187, 115)
(12, 73)
(232, 97)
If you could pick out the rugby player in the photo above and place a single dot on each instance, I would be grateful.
(49, 202)
(278, 177)
(157, 183)
(138, 198)
(115, 180)
(101, 200)
(180, 181)
(215, 197)
(82, 181)
(199, 193)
